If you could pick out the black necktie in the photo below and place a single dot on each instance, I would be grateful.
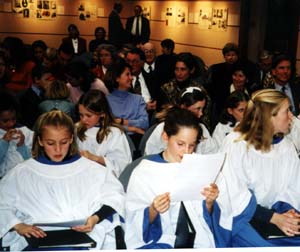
(137, 87)
(150, 69)
(184, 237)
(137, 26)
(283, 88)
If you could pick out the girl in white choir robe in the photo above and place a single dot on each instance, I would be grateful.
(152, 221)
(58, 185)
(193, 99)
(266, 163)
(232, 114)
(99, 138)
(15, 139)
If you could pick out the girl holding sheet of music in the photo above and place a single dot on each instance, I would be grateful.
(154, 220)
(265, 162)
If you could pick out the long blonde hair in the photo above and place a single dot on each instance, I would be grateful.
(257, 128)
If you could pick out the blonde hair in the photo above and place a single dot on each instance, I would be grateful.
(56, 119)
(257, 128)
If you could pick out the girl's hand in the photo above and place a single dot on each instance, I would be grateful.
(160, 204)
(89, 225)
(288, 222)
(210, 193)
(29, 230)
(90, 156)
(10, 135)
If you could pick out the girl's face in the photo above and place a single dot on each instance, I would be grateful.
(105, 58)
(182, 72)
(238, 112)
(7, 119)
(283, 119)
(197, 108)
(239, 80)
(56, 142)
(125, 80)
(88, 118)
(184, 142)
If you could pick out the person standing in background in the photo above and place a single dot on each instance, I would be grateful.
(138, 26)
(78, 43)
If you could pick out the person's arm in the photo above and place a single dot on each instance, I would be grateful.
(29, 231)
(3, 149)
(210, 193)
(104, 212)
(160, 204)
(93, 157)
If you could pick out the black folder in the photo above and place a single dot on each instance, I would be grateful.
(62, 238)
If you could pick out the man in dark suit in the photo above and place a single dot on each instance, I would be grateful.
(117, 35)
(78, 43)
(282, 73)
(138, 26)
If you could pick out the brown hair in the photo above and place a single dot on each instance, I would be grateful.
(57, 90)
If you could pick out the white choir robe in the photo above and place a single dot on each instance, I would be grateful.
(13, 157)
(114, 148)
(140, 193)
(155, 143)
(220, 132)
(35, 192)
(272, 176)
(294, 134)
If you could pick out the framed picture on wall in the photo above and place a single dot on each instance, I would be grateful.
(146, 10)
(219, 19)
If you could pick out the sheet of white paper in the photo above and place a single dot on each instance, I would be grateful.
(197, 171)
(72, 223)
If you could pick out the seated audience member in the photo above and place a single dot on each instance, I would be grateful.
(194, 100)
(265, 162)
(282, 72)
(232, 114)
(128, 108)
(265, 65)
(15, 140)
(34, 95)
(57, 98)
(165, 63)
(99, 137)
(58, 185)
(239, 79)
(80, 79)
(39, 48)
(170, 91)
(78, 43)
(100, 34)
(105, 55)
(153, 220)
(20, 66)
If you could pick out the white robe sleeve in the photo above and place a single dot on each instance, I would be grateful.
(207, 144)
(155, 144)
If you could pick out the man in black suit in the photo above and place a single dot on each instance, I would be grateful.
(78, 43)
(282, 73)
(138, 26)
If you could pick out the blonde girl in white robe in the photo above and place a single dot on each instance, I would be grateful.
(57, 185)
(99, 138)
(193, 99)
(266, 162)
(232, 114)
(151, 219)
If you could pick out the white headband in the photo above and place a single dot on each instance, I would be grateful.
(190, 90)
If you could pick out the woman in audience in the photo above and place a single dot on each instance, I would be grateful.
(99, 138)
(15, 140)
(239, 79)
(185, 66)
(266, 163)
(232, 114)
(152, 220)
(194, 100)
(58, 185)
(128, 108)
